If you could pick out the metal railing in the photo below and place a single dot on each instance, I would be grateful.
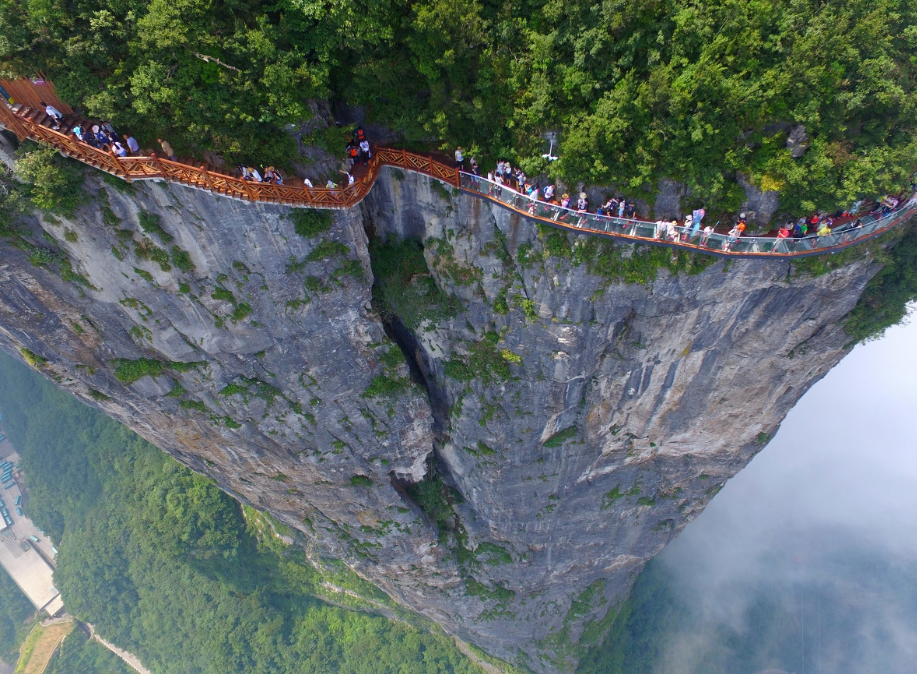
(688, 238)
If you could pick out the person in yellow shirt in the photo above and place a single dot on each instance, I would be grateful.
(166, 148)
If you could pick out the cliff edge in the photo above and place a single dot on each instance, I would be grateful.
(498, 424)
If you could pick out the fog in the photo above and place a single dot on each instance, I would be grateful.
(823, 523)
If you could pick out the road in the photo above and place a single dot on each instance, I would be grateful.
(132, 660)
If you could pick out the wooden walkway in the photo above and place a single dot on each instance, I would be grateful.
(33, 123)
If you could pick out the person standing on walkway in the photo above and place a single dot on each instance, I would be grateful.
(167, 149)
(686, 232)
(365, 152)
(459, 158)
(54, 114)
(110, 131)
(132, 144)
(708, 230)
(695, 220)
(352, 153)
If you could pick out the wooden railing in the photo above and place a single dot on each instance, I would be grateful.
(153, 167)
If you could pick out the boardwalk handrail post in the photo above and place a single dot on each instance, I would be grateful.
(12, 121)
(158, 164)
(207, 179)
(118, 163)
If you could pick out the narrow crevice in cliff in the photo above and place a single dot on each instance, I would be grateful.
(405, 295)
(422, 370)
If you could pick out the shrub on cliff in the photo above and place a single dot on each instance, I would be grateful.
(309, 223)
(54, 183)
(404, 288)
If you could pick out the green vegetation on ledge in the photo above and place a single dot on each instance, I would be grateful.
(129, 371)
(404, 286)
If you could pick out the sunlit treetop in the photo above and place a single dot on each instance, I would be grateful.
(636, 90)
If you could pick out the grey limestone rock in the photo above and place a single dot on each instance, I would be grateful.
(579, 419)
(760, 205)
(798, 141)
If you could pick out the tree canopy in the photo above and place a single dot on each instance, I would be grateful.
(695, 90)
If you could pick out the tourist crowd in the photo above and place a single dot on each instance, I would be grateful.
(562, 207)
(102, 136)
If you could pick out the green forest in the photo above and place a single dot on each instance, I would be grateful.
(79, 655)
(17, 615)
(169, 567)
(637, 90)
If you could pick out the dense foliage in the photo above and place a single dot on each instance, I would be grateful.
(52, 182)
(166, 565)
(16, 617)
(697, 90)
(404, 288)
(889, 293)
(79, 655)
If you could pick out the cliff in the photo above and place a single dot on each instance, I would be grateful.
(499, 428)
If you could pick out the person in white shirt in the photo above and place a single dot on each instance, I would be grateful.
(708, 230)
(308, 183)
(365, 152)
(54, 113)
(118, 149)
(459, 158)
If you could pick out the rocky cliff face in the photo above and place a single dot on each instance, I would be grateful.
(503, 466)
